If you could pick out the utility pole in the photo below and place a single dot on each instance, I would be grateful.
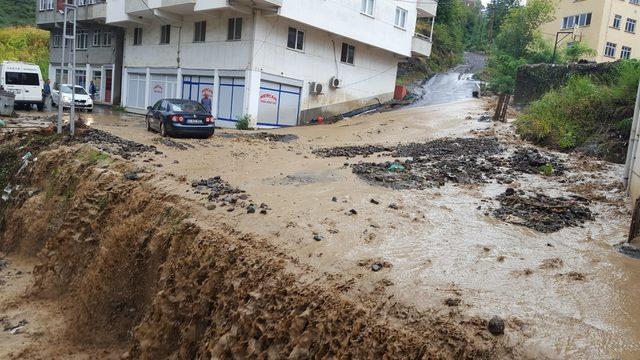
(70, 20)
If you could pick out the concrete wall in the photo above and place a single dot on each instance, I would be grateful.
(600, 31)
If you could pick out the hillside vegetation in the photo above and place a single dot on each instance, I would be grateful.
(17, 12)
(25, 43)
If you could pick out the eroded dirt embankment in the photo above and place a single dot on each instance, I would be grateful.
(135, 272)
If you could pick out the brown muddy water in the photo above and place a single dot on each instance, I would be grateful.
(566, 294)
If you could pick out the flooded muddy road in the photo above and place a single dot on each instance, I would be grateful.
(438, 248)
(455, 85)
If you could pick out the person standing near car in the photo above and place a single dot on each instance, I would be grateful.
(206, 102)
(92, 90)
(46, 94)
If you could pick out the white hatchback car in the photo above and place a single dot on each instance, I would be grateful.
(82, 98)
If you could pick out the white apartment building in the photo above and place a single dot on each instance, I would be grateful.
(283, 62)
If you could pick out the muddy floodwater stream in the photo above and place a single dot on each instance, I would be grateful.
(564, 294)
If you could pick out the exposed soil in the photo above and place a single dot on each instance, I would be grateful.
(542, 213)
(173, 144)
(136, 272)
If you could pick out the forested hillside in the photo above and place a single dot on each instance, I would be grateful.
(17, 12)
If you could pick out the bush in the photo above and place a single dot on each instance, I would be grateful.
(26, 44)
(244, 122)
(593, 114)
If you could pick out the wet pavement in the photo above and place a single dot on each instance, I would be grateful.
(566, 294)
(455, 85)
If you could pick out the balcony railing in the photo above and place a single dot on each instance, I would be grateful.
(421, 45)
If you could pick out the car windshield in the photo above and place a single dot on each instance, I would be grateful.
(79, 90)
(186, 106)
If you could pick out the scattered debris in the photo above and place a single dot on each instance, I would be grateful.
(3, 263)
(351, 151)
(574, 276)
(453, 302)
(114, 145)
(318, 237)
(532, 161)
(496, 326)
(353, 212)
(375, 265)
(286, 138)
(375, 202)
(221, 193)
(131, 175)
(553, 263)
(13, 329)
(542, 213)
(173, 144)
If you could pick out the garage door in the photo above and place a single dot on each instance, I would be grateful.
(279, 104)
(194, 87)
(230, 101)
(136, 85)
(162, 87)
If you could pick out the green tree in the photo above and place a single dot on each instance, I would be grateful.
(577, 51)
(497, 11)
(519, 42)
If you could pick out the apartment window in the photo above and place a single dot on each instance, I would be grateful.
(348, 53)
(401, 18)
(106, 38)
(234, 31)
(200, 31)
(625, 52)
(367, 6)
(57, 40)
(610, 50)
(81, 40)
(45, 5)
(165, 34)
(630, 26)
(617, 20)
(295, 39)
(137, 36)
(568, 22)
(97, 38)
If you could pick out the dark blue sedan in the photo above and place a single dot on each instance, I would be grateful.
(174, 117)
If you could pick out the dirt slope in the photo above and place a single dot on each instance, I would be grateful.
(134, 271)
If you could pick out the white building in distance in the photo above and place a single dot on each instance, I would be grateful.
(283, 62)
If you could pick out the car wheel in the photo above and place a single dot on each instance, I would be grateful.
(89, 110)
(163, 130)
(40, 107)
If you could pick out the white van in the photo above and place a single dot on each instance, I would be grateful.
(24, 80)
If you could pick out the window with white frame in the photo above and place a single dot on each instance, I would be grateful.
(57, 40)
(610, 49)
(97, 38)
(569, 22)
(165, 34)
(106, 38)
(617, 20)
(401, 18)
(295, 39)
(137, 36)
(348, 54)
(630, 26)
(367, 6)
(200, 31)
(625, 52)
(82, 37)
(45, 5)
(234, 29)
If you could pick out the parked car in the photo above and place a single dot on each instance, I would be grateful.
(24, 80)
(82, 98)
(180, 117)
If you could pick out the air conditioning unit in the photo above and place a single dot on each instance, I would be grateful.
(316, 88)
(335, 82)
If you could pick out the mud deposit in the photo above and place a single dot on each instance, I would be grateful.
(542, 213)
(264, 136)
(533, 161)
(134, 272)
(112, 144)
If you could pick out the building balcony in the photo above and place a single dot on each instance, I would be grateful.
(186, 7)
(427, 8)
(90, 12)
(421, 45)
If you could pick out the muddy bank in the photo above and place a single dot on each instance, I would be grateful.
(135, 271)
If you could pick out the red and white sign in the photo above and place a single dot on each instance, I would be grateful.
(268, 99)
